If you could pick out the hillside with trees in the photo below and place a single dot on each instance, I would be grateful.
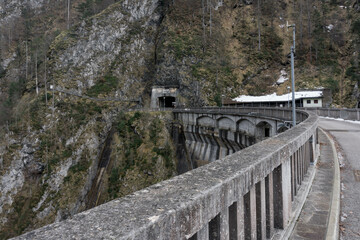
(71, 70)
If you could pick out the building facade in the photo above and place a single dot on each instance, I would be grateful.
(315, 98)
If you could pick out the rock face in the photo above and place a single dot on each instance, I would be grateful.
(11, 9)
(107, 44)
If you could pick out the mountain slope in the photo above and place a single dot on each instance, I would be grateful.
(54, 144)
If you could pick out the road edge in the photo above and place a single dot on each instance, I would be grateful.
(332, 232)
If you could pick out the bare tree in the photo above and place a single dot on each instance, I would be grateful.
(308, 8)
(26, 60)
(210, 20)
(203, 23)
(68, 14)
(301, 21)
(259, 24)
(9, 38)
(1, 45)
(36, 76)
(45, 82)
(53, 98)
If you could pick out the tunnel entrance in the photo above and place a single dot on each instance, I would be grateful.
(167, 102)
(164, 97)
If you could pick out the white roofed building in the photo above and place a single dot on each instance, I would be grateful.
(302, 99)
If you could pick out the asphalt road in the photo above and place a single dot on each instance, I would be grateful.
(348, 136)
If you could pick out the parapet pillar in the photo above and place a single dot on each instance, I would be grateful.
(260, 210)
(203, 234)
(224, 224)
(269, 193)
(282, 195)
(312, 146)
(250, 214)
(240, 220)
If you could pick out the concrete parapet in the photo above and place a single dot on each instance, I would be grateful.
(344, 113)
(215, 201)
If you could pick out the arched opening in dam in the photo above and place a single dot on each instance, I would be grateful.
(263, 130)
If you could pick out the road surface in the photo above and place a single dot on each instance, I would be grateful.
(348, 136)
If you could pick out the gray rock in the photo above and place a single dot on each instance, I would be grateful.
(35, 168)
(28, 149)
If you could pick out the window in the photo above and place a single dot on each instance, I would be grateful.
(316, 101)
(267, 132)
(308, 101)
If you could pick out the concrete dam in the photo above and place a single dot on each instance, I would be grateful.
(253, 191)
(208, 134)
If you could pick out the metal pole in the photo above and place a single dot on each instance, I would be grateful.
(293, 74)
(288, 93)
(293, 85)
(294, 35)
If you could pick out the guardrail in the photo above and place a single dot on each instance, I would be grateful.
(251, 194)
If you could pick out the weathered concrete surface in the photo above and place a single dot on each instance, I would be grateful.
(184, 205)
(348, 137)
(313, 220)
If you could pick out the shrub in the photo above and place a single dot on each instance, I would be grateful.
(353, 73)
(81, 166)
(43, 97)
(155, 129)
(114, 180)
(166, 153)
(67, 153)
(105, 85)
(218, 100)
(331, 84)
(356, 27)
(34, 115)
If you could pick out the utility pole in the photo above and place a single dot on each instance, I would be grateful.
(293, 75)
(293, 85)
(288, 92)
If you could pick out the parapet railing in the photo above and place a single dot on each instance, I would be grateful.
(249, 194)
(344, 113)
(276, 113)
